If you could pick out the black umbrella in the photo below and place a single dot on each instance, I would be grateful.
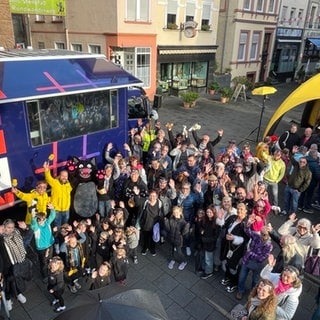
(136, 304)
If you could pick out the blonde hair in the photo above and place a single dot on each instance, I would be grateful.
(290, 247)
(178, 209)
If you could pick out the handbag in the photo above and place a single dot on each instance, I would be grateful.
(23, 269)
(312, 263)
(156, 232)
(238, 311)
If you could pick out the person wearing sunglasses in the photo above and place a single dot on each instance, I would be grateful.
(307, 235)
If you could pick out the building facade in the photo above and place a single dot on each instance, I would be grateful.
(7, 40)
(246, 34)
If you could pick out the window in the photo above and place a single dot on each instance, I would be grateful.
(57, 19)
(255, 46)
(138, 10)
(180, 76)
(247, 5)
(172, 12)
(242, 45)
(271, 6)
(292, 15)
(41, 45)
(63, 117)
(260, 5)
(40, 18)
(143, 65)
(299, 18)
(59, 45)
(190, 11)
(312, 15)
(94, 48)
(206, 13)
(284, 14)
(76, 47)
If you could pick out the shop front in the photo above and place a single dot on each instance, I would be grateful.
(185, 68)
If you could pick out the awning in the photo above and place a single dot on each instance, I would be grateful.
(315, 41)
(25, 77)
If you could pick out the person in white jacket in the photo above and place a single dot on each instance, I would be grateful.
(307, 235)
(288, 288)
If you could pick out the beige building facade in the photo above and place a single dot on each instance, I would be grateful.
(246, 35)
(6, 27)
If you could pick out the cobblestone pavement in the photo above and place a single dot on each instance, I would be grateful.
(183, 294)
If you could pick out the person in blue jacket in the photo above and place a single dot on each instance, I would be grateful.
(41, 226)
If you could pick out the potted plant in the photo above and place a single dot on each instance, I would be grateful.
(205, 27)
(213, 86)
(226, 94)
(172, 26)
(189, 98)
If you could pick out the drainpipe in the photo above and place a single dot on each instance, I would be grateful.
(224, 35)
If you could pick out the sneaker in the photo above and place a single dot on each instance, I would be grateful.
(225, 282)
(122, 282)
(309, 211)
(135, 260)
(231, 289)
(73, 289)
(283, 213)
(77, 285)
(276, 209)
(54, 302)
(182, 265)
(144, 252)
(239, 295)
(153, 254)
(59, 309)
(21, 298)
(171, 264)
(9, 305)
(188, 251)
(206, 275)
(300, 208)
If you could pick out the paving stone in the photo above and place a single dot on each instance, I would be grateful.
(199, 309)
(181, 295)
(165, 283)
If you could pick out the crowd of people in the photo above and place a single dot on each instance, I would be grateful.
(209, 202)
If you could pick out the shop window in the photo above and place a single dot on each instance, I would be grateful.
(180, 76)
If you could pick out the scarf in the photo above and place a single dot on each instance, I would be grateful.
(281, 287)
(15, 247)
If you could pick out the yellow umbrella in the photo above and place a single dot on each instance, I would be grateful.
(262, 91)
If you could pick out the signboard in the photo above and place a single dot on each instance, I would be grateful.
(41, 7)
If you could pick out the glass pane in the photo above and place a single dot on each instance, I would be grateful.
(63, 117)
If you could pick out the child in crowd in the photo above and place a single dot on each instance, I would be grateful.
(56, 282)
(101, 277)
(176, 227)
(120, 265)
(133, 235)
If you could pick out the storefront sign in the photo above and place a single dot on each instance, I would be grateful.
(41, 7)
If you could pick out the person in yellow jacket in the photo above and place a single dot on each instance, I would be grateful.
(36, 199)
(60, 194)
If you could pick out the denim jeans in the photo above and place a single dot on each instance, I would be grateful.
(291, 198)
(255, 268)
(208, 262)
(104, 208)
(274, 191)
(61, 218)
